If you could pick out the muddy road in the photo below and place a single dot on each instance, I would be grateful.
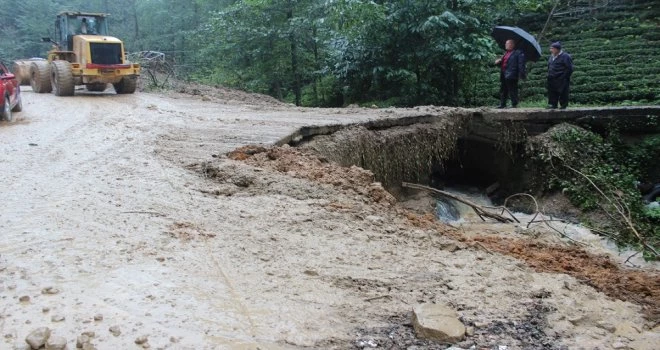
(122, 216)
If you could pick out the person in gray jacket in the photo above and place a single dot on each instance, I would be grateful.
(560, 68)
(512, 65)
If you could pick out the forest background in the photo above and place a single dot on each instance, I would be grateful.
(380, 52)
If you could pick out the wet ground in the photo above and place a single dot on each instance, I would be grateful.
(123, 211)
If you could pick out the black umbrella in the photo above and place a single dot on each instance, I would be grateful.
(524, 41)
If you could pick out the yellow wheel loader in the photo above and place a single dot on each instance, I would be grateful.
(84, 54)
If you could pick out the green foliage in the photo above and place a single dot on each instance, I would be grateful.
(408, 52)
(615, 50)
(600, 175)
(653, 214)
(389, 52)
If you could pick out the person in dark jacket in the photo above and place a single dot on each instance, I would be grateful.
(560, 68)
(512, 65)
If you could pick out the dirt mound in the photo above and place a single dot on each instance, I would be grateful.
(305, 165)
(226, 95)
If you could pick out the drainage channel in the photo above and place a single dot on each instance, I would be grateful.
(476, 154)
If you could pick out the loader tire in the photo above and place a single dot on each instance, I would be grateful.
(126, 85)
(40, 77)
(22, 70)
(62, 78)
(96, 87)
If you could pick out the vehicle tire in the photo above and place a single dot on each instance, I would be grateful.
(96, 87)
(6, 110)
(19, 104)
(22, 70)
(62, 78)
(126, 85)
(40, 77)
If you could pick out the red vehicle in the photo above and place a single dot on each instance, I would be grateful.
(10, 94)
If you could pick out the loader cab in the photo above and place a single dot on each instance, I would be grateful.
(69, 24)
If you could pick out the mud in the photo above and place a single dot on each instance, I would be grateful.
(130, 207)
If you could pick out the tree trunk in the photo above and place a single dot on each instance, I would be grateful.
(294, 59)
(135, 20)
(317, 66)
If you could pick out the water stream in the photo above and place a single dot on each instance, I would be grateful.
(456, 213)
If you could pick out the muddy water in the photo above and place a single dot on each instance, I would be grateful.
(457, 214)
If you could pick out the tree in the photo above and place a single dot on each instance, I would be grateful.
(408, 52)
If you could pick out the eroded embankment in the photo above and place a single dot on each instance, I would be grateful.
(634, 285)
(397, 153)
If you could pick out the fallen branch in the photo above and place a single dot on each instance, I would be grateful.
(537, 211)
(379, 297)
(484, 248)
(477, 208)
(630, 257)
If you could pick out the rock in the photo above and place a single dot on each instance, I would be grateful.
(451, 247)
(22, 346)
(141, 340)
(45, 309)
(115, 330)
(541, 293)
(37, 338)
(576, 319)
(374, 219)
(88, 346)
(607, 326)
(81, 340)
(24, 299)
(379, 194)
(481, 324)
(90, 334)
(627, 330)
(98, 317)
(437, 322)
(50, 290)
(57, 318)
(619, 345)
(56, 343)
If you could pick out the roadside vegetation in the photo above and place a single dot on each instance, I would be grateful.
(383, 53)
(602, 176)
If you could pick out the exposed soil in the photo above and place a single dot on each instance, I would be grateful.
(128, 216)
(599, 271)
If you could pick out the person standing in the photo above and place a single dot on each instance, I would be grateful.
(560, 68)
(512, 65)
